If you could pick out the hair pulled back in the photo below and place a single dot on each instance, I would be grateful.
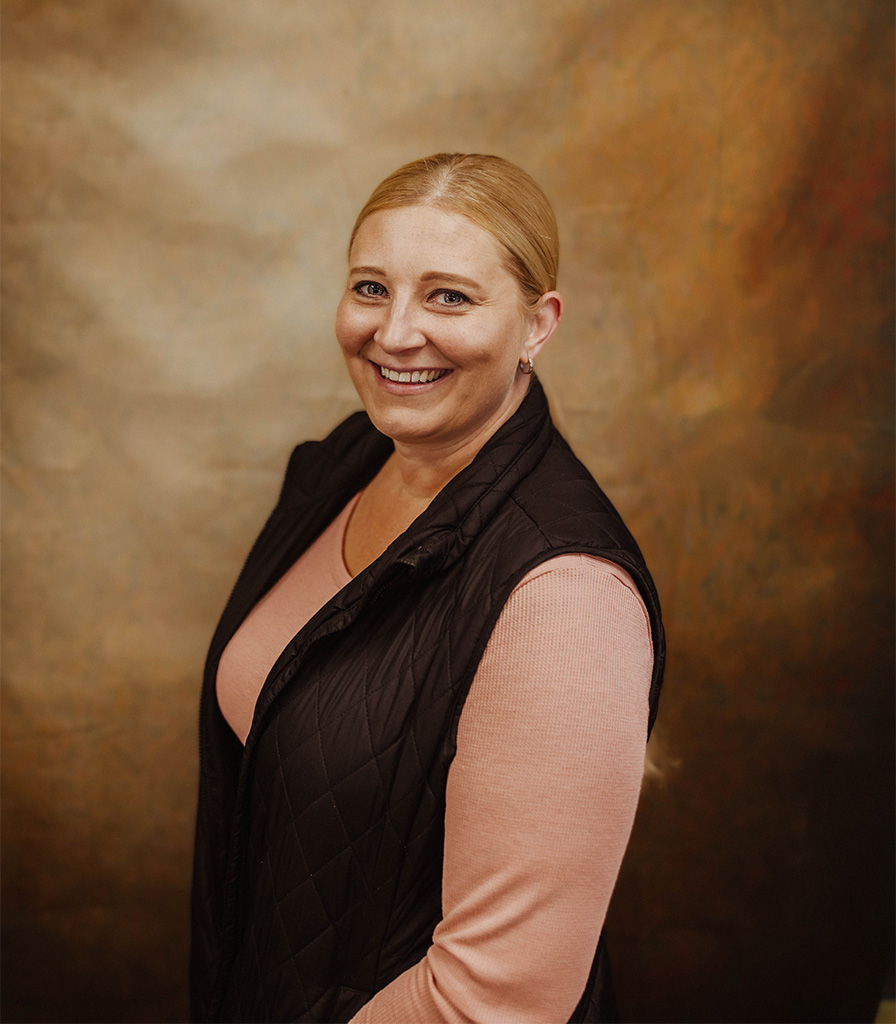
(493, 193)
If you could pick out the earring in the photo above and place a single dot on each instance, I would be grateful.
(527, 368)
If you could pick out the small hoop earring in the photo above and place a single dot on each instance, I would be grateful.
(527, 368)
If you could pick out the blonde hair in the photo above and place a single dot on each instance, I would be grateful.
(493, 193)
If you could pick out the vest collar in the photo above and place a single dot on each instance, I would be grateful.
(458, 513)
(437, 538)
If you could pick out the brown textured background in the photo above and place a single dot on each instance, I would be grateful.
(180, 178)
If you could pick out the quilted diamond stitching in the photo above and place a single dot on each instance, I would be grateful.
(469, 506)
(348, 842)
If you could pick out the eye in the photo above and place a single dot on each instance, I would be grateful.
(446, 297)
(369, 289)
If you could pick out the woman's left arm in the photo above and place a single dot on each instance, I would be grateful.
(541, 798)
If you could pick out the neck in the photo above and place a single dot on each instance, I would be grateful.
(422, 470)
(403, 488)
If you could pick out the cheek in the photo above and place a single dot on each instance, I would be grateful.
(349, 325)
(500, 344)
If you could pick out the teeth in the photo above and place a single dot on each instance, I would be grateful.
(415, 377)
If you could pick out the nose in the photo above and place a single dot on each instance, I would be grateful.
(398, 330)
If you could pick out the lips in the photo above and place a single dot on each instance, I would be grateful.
(411, 376)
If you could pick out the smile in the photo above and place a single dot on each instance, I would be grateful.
(412, 376)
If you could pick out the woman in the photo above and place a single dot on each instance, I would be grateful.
(425, 707)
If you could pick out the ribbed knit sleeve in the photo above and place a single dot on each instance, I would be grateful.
(541, 799)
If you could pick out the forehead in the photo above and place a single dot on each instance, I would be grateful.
(426, 233)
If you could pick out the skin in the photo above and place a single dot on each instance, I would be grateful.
(428, 290)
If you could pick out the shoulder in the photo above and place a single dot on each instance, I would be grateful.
(580, 593)
(577, 569)
(568, 505)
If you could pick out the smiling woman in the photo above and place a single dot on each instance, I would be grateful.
(444, 652)
(402, 314)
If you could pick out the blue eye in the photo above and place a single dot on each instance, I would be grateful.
(369, 289)
(447, 297)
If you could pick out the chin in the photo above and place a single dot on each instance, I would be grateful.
(399, 429)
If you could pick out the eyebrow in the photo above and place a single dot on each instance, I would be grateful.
(439, 275)
(378, 271)
(432, 275)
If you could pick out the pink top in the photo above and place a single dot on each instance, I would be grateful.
(541, 793)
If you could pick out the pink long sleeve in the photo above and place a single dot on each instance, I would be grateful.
(540, 803)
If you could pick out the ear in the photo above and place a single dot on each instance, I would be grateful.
(542, 324)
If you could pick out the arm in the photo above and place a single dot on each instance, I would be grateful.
(540, 802)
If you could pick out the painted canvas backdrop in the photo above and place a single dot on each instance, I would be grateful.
(180, 178)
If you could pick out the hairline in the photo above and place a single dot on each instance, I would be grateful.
(512, 263)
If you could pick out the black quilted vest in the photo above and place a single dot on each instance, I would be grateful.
(318, 859)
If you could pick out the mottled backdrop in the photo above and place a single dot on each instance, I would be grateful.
(180, 178)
